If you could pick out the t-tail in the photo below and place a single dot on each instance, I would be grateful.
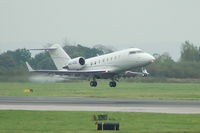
(58, 55)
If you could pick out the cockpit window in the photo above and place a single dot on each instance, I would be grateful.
(135, 52)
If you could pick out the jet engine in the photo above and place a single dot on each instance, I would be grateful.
(75, 64)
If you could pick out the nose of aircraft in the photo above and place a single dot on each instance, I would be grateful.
(151, 59)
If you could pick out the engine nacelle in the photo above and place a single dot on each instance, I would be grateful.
(75, 64)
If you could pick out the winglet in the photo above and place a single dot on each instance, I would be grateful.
(30, 69)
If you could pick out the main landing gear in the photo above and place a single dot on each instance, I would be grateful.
(93, 83)
(112, 84)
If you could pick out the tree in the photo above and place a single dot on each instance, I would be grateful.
(103, 48)
(165, 59)
(7, 61)
(13, 62)
(42, 61)
(20, 55)
(79, 50)
(162, 66)
(189, 52)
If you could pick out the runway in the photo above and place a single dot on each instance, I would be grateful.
(99, 104)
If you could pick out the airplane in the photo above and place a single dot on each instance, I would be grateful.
(112, 66)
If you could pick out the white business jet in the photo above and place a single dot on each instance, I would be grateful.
(109, 66)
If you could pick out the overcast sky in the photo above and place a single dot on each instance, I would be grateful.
(156, 26)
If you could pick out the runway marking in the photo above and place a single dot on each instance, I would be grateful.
(99, 104)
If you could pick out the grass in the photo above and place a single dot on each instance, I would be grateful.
(187, 91)
(81, 122)
(75, 122)
(123, 90)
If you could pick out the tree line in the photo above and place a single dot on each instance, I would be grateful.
(188, 66)
(13, 62)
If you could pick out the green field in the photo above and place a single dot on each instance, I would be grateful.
(75, 122)
(189, 91)
(81, 122)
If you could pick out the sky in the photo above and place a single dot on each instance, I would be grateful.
(156, 26)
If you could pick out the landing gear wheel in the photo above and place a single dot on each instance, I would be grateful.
(112, 84)
(93, 83)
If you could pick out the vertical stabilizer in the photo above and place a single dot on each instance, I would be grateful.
(59, 56)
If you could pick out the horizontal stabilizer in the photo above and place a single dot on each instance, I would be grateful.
(43, 49)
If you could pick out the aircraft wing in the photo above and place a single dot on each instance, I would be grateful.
(66, 72)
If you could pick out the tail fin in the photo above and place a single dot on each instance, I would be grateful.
(59, 56)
